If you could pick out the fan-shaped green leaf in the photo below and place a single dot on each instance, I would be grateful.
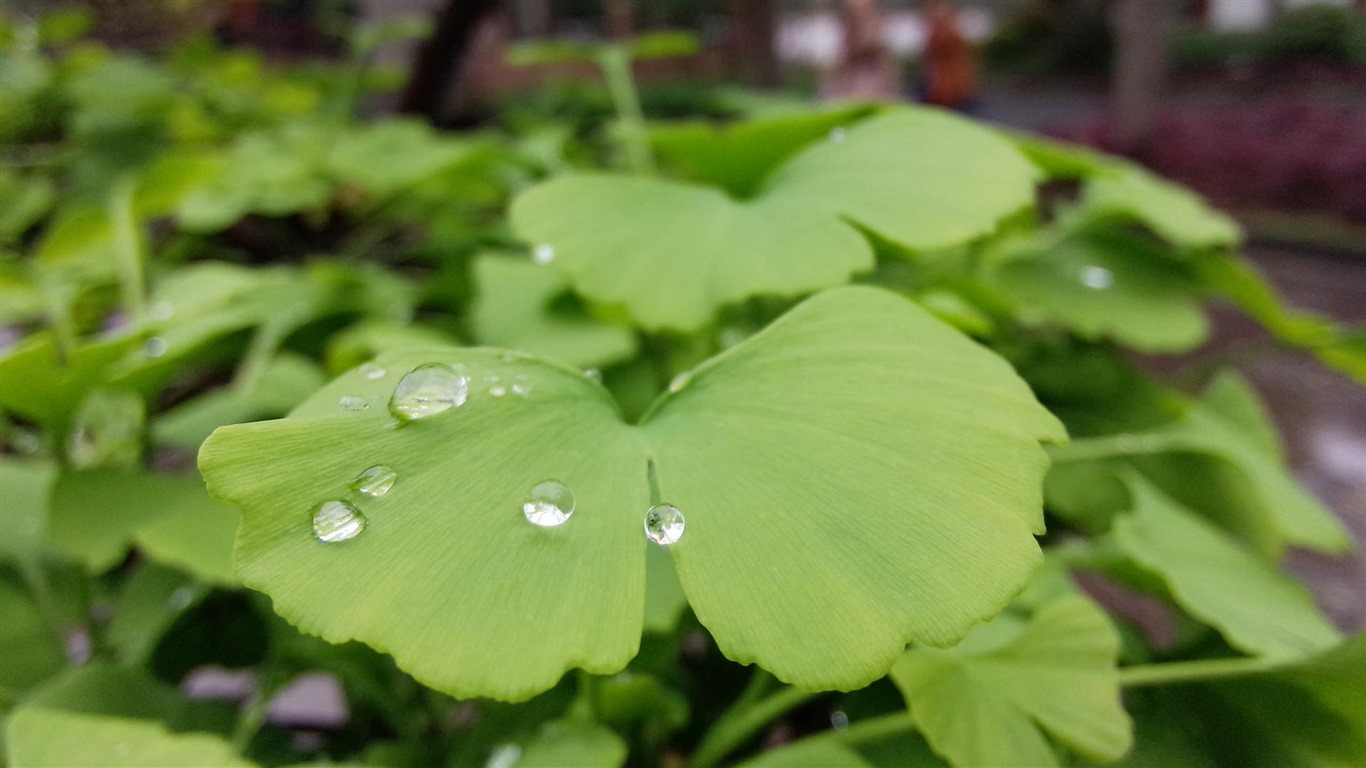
(858, 445)
(1257, 608)
(920, 178)
(1108, 283)
(29, 646)
(1175, 213)
(809, 753)
(513, 310)
(993, 699)
(572, 744)
(25, 485)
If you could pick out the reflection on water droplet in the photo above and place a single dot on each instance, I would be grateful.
(549, 503)
(1097, 278)
(664, 524)
(543, 253)
(354, 403)
(375, 481)
(372, 371)
(428, 390)
(504, 756)
(155, 347)
(838, 134)
(593, 374)
(337, 520)
(680, 381)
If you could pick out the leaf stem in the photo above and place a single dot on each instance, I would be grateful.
(872, 729)
(1144, 675)
(743, 720)
(128, 248)
(615, 63)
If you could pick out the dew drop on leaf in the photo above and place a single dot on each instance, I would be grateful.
(543, 253)
(375, 481)
(838, 134)
(354, 403)
(498, 390)
(155, 347)
(1098, 278)
(428, 390)
(548, 503)
(679, 382)
(372, 371)
(664, 524)
(337, 520)
(593, 374)
(504, 756)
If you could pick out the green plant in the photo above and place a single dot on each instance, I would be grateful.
(537, 509)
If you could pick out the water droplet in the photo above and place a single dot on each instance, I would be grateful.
(1097, 278)
(504, 756)
(664, 524)
(375, 481)
(520, 385)
(549, 503)
(371, 371)
(337, 520)
(354, 403)
(155, 347)
(498, 390)
(543, 253)
(680, 381)
(839, 720)
(428, 390)
(593, 374)
(162, 311)
(181, 598)
(838, 134)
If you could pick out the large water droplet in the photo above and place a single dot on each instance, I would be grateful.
(543, 253)
(664, 524)
(375, 481)
(428, 390)
(549, 503)
(371, 371)
(337, 520)
(1097, 278)
(354, 403)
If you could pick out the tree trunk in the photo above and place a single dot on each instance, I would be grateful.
(1140, 29)
(754, 26)
(441, 57)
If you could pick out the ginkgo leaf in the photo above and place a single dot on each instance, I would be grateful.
(847, 446)
(999, 696)
(1107, 283)
(1257, 608)
(513, 309)
(1175, 213)
(920, 178)
(108, 716)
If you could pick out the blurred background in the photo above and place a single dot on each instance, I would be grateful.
(1260, 105)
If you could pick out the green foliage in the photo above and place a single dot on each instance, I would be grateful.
(206, 253)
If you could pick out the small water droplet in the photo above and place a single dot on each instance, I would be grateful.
(337, 520)
(839, 720)
(162, 311)
(680, 381)
(548, 504)
(504, 756)
(543, 253)
(428, 390)
(838, 134)
(593, 374)
(664, 524)
(521, 385)
(155, 347)
(371, 371)
(181, 598)
(1097, 278)
(375, 481)
(498, 390)
(354, 403)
